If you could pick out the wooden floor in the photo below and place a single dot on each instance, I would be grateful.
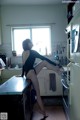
(53, 112)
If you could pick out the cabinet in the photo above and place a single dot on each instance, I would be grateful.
(43, 78)
(58, 86)
(8, 73)
(74, 64)
(44, 83)
(73, 41)
(74, 92)
(69, 11)
(0, 25)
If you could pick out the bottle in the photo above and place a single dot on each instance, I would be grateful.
(46, 51)
(6, 62)
(56, 57)
(9, 62)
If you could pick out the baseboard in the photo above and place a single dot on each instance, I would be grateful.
(52, 100)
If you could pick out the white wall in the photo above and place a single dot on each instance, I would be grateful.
(33, 15)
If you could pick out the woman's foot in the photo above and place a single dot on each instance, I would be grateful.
(44, 118)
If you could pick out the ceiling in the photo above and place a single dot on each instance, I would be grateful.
(29, 2)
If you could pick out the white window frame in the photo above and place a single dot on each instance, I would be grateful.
(27, 27)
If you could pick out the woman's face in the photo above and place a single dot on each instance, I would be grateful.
(30, 44)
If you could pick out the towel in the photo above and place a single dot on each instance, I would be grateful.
(52, 77)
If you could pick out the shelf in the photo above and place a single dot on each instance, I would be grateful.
(69, 11)
(74, 18)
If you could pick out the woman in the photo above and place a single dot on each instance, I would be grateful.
(31, 72)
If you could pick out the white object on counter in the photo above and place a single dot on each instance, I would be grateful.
(2, 63)
(16, 67)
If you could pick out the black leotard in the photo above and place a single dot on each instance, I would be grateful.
(29, 63)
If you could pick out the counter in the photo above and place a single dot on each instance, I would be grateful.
(15, 99)
(15, 85)
(43, 79)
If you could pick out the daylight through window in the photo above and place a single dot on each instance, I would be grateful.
(40, 36)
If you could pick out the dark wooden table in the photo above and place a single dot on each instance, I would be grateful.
(13, 99)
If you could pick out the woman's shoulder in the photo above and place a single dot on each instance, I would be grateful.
(33, 51)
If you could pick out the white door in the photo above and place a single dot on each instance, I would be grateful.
(75, 92)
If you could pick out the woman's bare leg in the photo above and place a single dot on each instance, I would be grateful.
(31, 75)
(47, 65)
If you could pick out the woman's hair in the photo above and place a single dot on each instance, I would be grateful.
(25, 44)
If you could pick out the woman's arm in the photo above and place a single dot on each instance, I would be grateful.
(37, 55)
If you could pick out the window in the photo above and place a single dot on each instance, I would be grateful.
(40, 36)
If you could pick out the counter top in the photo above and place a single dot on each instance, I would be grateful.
(15, 85)
(65, 68)
(14, 69)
